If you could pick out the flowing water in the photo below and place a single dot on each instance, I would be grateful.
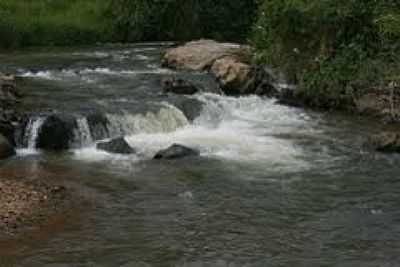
(274, 186)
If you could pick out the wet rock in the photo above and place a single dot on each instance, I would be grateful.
(6, 149)
(201, 55)
(9, 98)
(228, 63)
(388, 142)
(8, 89)
(57, 132)
(178, 86)
(116, 146)
(98, 125)
(176, 151)
(232, 75)
(239, 78)
(190, 107)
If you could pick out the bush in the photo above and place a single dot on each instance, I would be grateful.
(331, 48)
(144, 20)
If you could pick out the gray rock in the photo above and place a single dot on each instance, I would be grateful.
(116, 146)
(190, 107)
(6, 149)
(178, 86)
(176, 151)
(57, 132)
(388, 142)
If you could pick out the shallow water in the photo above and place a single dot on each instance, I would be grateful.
(275, 186)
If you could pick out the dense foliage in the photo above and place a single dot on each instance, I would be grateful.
(331, 48)
(182, 19)
(64, 22)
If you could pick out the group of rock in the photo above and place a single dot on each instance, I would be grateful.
(120, 146)
(9, 98)
(229, 63)
(231, 66)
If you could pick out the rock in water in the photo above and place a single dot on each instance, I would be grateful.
(176, 151)
(190, 107)
(178, 86)
(57, 132)
(228, 63)
(388, 142)
(6, 149)
(116, 146)
(233, 76)
(8, 89)
(200, 55)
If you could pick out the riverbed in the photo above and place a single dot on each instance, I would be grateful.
(274, 185)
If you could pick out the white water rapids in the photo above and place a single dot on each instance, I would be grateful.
(242, 129)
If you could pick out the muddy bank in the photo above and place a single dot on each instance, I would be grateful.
(26, 205)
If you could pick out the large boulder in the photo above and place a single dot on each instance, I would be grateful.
(6, 149)
(116, 146)
(57, 132)
(178, 86)
(176, 151)
(229, 63)
(388, 142)
(201, 55)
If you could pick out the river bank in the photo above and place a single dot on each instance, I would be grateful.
(27, 205)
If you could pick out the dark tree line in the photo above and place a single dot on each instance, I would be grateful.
(182, 19)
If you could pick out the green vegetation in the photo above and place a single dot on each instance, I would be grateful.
(65, 22)
(182, 20)
(51, 22)
(332, 49)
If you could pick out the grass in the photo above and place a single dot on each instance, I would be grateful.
(52, 22)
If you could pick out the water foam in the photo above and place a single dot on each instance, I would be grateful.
(236, 129)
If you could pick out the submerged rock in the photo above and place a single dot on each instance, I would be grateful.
(176, 151)
(201, 55)
(178, 86)
(6, 149)
(116, 146)
(388, 142)
(57, 132)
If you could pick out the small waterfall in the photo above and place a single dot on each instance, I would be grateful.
(167, 119)
(82, 133)
(32, 131)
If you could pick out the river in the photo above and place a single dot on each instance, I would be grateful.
(274, 186)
